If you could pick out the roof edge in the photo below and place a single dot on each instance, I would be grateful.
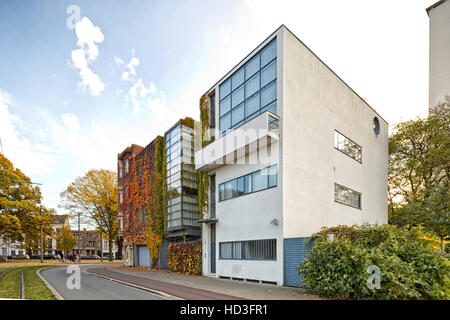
(437, 4)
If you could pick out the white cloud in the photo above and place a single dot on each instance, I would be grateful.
(32, 157)
(130, 74)
(88, 36)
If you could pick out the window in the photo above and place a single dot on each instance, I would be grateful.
(248, 250)
(347, 146)
(347, 196)
(126, 166)
(253, 182)
(376, 126)
(182, 203)
(250, 90)
(120, 197)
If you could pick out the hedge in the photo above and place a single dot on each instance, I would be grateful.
(185, 257)
(409, 267)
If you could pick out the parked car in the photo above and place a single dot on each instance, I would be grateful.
(91, 257)
(21, 257)
(35, 256)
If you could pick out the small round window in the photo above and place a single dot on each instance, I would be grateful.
(376, 126)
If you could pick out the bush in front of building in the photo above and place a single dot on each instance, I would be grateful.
(185, 257)
(345, 265)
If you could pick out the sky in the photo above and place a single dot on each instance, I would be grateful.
(82, 80)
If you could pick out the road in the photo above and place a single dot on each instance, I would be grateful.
(93, 288)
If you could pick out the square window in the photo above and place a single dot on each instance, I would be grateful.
(225, 89)
(237, 79)
(268, 94)
(225, 105)
(225, 122)
(268, 74)
(252, 67)
(269, 53)
(237, 115)
(252, 105)
(252, 86)
(237, 97)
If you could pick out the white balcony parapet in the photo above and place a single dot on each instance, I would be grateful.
(232, 148)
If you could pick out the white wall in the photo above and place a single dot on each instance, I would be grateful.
(439, 53)
(315, 103)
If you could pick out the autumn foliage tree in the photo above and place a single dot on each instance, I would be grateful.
(65, 240)
(95, 196)
(21, 212)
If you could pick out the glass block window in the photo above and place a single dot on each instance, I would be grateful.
(250, 91)
(347, 146)
(347, 196)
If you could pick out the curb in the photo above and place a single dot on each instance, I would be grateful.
(160, 293)
(22, 287)
(49, 286)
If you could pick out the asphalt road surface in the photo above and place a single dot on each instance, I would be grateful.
(92, 287)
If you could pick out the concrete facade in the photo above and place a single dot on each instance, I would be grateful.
(439, 15)
(312, 103)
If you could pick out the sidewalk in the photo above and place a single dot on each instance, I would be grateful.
(199, 287)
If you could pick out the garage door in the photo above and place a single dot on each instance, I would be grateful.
(144, 256)
(294, 253)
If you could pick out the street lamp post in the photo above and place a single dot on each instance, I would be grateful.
(79, 242)
(42, 239)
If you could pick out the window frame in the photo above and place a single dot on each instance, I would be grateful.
(248, 179)
(338, 132)
(348, 189)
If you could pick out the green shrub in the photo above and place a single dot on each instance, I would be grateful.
(409, 267)
(185, 257)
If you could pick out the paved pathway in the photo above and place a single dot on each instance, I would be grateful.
(240, 289)
(180, 291)
(94, 288)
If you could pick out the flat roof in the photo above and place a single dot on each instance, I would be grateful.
(437, 4)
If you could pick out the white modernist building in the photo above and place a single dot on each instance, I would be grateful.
(295, 149)
(439, 14)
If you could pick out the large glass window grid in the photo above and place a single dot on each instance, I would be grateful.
(349, 197)
(182, 209)
(248, 250)
(347, 146)
(250, 91)
(252, 182)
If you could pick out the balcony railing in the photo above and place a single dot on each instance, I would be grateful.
(252, 136)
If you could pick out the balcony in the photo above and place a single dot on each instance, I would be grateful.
(250, 137)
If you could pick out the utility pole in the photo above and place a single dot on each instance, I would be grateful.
(42, 237)
(101, 245)
(79, 234)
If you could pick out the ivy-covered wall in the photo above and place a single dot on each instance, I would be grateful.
(144, 188)
(202, 177)
(185, 257)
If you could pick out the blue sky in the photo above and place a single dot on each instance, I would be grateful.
(71, 99)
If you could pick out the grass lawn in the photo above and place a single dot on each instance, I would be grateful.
(35, 288)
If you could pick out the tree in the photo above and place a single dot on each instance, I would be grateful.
(95, 195)
(21, 212)
(419, 172)
(65, 241)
